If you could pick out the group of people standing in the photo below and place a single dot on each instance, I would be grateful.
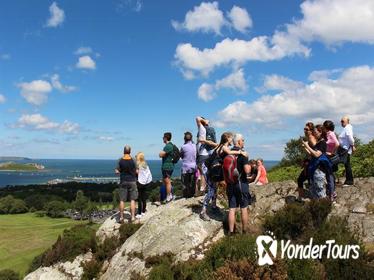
(326, 151)
(206, 165)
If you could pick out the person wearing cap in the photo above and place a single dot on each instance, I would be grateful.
(188, 155)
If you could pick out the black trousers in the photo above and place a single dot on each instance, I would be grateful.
(188, 181)
(142, 197)
(302, 178)
(348, 171)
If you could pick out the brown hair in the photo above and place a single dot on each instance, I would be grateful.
(320, 129)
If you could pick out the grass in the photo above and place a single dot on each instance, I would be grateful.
(24, 236)
(18, 167)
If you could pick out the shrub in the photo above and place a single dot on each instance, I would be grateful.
(126, 230)
(8, 274)
(36, 263)
(161, 272)
(283, 173)
(167, 258)
(91, 269)
(73, 242)
(289, 222)
(248, 269)
(304, 269)
(107, 249)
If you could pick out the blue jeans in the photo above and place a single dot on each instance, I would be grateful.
(212, 191)
(318, 185)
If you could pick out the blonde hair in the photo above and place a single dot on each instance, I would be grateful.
(140, 160)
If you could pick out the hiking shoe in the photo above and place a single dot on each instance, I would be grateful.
(138, 216)
(347, 185)
(204, 216)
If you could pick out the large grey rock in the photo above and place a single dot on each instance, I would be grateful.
(269, 199)
(175, 227)
(61, 271)
(352, 202)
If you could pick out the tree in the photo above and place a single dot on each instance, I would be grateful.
(18, 207)
(91, 207)
(11, 205)
(294, 153)
(55, 209)
(80, 203)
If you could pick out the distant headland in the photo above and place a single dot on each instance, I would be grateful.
(13, 166)
(3, 158)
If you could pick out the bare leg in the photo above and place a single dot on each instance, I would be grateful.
(231, 219)
(132, 209)
(244, 219)
(167, 183)
(121, 209)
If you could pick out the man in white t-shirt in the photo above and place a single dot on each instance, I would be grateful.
(204, 147)
(347, 142)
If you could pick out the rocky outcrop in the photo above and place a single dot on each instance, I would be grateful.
(175, 228)
(61, 271)
(356, 203)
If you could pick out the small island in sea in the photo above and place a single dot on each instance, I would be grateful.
(13, 166)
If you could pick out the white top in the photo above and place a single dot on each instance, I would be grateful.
(202, 136)
(346, 139)
(144, 175)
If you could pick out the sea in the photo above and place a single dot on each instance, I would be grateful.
(82, 170)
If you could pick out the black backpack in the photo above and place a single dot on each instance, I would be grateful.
(175, 154)
(214, 165)
(211, 136)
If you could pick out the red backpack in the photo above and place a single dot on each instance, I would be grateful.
(230, 171)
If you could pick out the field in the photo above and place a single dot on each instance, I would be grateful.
(24, 236)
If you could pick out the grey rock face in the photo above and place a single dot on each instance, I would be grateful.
(175, 227)
(61, 271)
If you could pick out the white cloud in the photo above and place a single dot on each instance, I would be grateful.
(35, 92)
(207, 18)
(206, 92)
(332, 22)
(2, 99)
(39, 122)
(234, 52)
(83, 50)
(277, 82)
(55, 80)
(349, 94)
(327, 21)
(235, 81)
(240, 19)
(57, 16)
(86, 62)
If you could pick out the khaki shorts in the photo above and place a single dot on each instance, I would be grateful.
(128, 191)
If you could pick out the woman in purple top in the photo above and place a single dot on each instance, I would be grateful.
(188, 155)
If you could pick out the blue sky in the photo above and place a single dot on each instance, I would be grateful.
(79, 79)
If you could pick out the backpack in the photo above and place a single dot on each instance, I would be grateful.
(175, 154)
(230, 171)
(211, 136)
(214, 165)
